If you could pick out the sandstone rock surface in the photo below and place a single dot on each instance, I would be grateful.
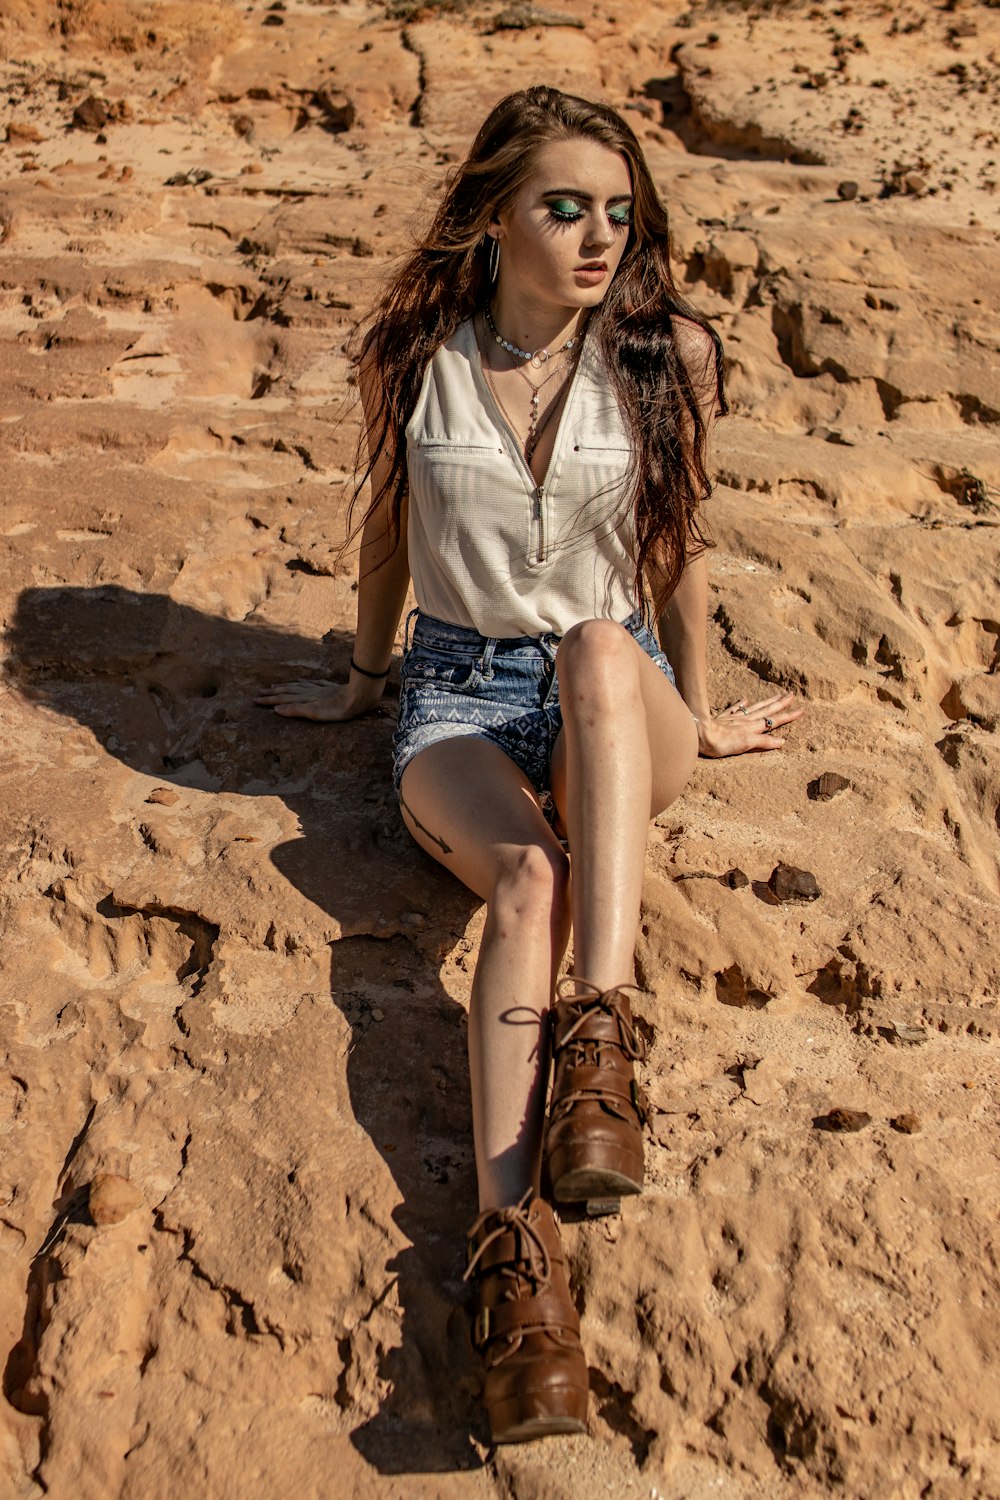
(234, 994)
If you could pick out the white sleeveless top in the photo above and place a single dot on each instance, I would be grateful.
(489, 548)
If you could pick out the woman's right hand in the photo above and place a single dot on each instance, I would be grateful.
(320, 700)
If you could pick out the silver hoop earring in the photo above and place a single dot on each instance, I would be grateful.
(494, 258)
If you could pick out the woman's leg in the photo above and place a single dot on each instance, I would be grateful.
(467, 803)
(627, 747)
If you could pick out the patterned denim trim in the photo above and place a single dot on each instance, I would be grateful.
(457, 683)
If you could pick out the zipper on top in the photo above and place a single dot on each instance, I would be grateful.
(540, 518)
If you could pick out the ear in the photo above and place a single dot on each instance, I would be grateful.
(497, 227)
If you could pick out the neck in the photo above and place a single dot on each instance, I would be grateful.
(532, 327)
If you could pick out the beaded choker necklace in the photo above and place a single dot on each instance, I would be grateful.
(536, 357)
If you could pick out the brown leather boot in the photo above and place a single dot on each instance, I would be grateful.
(594, 1137)
(526, 1327)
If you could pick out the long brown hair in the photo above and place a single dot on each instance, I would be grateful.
(445, 280)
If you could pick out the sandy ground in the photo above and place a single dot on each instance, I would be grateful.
(236, 1165)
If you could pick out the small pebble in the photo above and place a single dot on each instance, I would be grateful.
(913, 1036)
(735, 879)
(90, 115)
(165, 796)
(842, 1120)
(111, 1199)
(826, 786)
(378, 1015)
(907, 1124)
(786, 884)
(846, 191)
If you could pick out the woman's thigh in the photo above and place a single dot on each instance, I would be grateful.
(669, 728)
(466, 803)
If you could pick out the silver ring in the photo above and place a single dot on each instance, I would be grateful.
(768, 725)
(743, 710)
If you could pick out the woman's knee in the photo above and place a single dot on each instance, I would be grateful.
(599, 655)
(532, 882)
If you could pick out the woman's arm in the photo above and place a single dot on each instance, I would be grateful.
(683, 630)
(383, 578)
(683, 622)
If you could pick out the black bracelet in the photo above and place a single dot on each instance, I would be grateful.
(375, 676)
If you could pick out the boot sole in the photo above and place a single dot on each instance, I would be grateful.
(547, 1414)
(593, 1185)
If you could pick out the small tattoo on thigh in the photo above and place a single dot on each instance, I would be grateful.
(434, 838)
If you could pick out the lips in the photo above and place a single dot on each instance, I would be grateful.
(592, 265)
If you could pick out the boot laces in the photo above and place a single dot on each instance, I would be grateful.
(631, 1042)
(533, 1257)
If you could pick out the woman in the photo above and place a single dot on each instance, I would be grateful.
(537, 396)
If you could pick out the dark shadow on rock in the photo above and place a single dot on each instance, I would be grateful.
(700, 135)
(168, 691)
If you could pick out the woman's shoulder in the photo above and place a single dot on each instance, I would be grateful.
(699, 351)
(696, 347)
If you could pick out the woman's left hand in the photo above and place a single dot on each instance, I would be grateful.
(747, 726)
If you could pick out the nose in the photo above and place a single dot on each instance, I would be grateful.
(600, 233)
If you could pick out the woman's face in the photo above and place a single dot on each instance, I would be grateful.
(562, 238)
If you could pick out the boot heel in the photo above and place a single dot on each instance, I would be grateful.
(536, 1414)
(602, 1208)
(578, 1175)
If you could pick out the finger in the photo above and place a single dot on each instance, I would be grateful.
(292, 692)
(779, 719)
(768, 705)
(311, 711)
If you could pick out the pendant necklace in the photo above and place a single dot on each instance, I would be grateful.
(537, 357)
(531, 441)
(535, 427)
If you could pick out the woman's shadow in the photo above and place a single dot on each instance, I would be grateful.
(161, 686)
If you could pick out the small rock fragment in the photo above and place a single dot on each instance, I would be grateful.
(21, 134)
(377, 1015)
(164, 796)
(523, 17)
(91, 114)
(111, 1199)
(826, 786)
(735, 879)
(192, 178)
(912, 1035)
(787, 884)
(914, 184)
(905, 1124)
(846, 191)
(842, 1120)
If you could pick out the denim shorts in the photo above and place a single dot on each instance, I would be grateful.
(457, 682)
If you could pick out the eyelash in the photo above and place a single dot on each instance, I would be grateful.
(558, 216)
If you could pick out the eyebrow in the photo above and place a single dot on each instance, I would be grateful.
(585, 197)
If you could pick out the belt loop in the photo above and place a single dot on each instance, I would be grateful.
(645, 605)
(486, 660)
(549, 644)
(406, 629)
